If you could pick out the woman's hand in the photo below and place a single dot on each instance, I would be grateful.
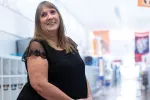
(89, 98)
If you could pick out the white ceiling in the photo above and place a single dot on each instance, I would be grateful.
(94, 14)
(101, 14)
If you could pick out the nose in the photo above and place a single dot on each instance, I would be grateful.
(50, 16)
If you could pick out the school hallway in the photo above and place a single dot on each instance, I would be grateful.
(127, 90)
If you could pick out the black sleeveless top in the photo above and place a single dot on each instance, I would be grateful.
(66, 71)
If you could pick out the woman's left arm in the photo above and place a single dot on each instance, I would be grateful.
(89, 90)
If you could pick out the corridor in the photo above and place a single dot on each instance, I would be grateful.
(127, 90)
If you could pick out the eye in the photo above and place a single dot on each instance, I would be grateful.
(53, 11)
(44, 14)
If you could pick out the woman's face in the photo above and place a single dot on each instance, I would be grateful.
(49, 19)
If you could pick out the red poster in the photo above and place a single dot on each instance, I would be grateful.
(141, 45)
(138, 57)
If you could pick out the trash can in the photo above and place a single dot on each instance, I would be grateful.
(21, 45)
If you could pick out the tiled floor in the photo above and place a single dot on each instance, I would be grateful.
(127, 90)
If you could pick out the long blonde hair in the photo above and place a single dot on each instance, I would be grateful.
(63, 41)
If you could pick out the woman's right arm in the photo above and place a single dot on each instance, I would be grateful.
(37, 67)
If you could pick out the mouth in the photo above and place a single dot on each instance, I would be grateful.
(51, 23)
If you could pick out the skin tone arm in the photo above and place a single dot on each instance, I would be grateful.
(38, 76)
(89, 90)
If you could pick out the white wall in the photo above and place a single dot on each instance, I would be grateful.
(14, 23)
(121, 42)
(13, 26)
(7, 43)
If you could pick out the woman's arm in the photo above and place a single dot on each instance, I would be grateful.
(89, 90)
(38, 75)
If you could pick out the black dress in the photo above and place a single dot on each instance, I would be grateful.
(66, 71)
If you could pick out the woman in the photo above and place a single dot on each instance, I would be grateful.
(55, 68)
